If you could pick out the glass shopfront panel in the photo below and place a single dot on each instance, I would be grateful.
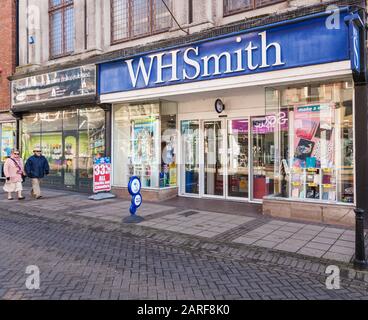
(168, 174)
(238, 158)
(69, 140)
(190, 159)
(315, 153)
(263, 152)
(213, 158)
(52, 149)
(31, 134)
(7, 139)
(91, 141)
(144, 144)
(70, 158)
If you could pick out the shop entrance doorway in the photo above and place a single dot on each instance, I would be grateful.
(215, 158)
(70, 156)
(61, 151)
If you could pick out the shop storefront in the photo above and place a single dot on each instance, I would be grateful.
(263, 115)
(8, 140)
(59, 114)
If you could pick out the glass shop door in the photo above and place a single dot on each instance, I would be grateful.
(70, 165)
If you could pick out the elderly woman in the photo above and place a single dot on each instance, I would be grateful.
(14, 172)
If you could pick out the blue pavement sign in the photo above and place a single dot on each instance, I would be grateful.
(134, 188)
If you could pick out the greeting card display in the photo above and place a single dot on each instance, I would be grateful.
(313, 167)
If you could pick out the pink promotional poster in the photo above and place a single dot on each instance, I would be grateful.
(313, 127)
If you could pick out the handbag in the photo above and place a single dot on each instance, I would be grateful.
(20, 169)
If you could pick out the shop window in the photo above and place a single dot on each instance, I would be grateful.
(91, 139)
(133, 19)
(61, 16)
(7, 139)
(168, 173)
(141, 148)
(238, 160)
(70, 120)
(313, 126)
(52, 149)
(236, 6)
(51, 121)
(31, 135)
(69, 139)
(190, 156)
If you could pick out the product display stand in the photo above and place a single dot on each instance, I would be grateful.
(321, 183)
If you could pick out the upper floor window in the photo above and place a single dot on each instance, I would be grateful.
(235, 6)
(137, 18)
(61, 14)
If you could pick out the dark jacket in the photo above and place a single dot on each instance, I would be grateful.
(37, 167)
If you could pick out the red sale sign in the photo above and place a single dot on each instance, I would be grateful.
(102, 177)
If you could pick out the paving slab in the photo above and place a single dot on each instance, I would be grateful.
(337, 256)
(342, 250)
(265, 244)
(256, 231)
(317, 245)
(306, 239)
(345, 243)
(322, 239)
(200, 223)
(311, 252)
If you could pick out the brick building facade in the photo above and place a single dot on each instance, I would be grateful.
(8, 58)
(7, 50)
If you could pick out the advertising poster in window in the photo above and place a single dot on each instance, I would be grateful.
(314, 136)
(314, 152)
(144, 131)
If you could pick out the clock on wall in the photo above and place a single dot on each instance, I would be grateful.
(219, 106)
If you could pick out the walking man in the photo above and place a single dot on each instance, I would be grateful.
(36, 168)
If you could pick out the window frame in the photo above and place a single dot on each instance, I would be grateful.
(152, 31)
(254, 6)
(62, 7)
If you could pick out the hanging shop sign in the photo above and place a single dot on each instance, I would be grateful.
(102, 175)
(301, 42)
(68, 83)
(356, 27)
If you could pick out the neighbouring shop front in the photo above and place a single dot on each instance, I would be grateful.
(262, 115)
(8, 141)
(58, 113)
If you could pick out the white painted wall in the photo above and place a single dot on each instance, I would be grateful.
(248, 101)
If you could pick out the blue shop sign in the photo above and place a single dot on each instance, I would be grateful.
(295, 43)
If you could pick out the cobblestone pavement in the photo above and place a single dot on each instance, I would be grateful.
(84, 262)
